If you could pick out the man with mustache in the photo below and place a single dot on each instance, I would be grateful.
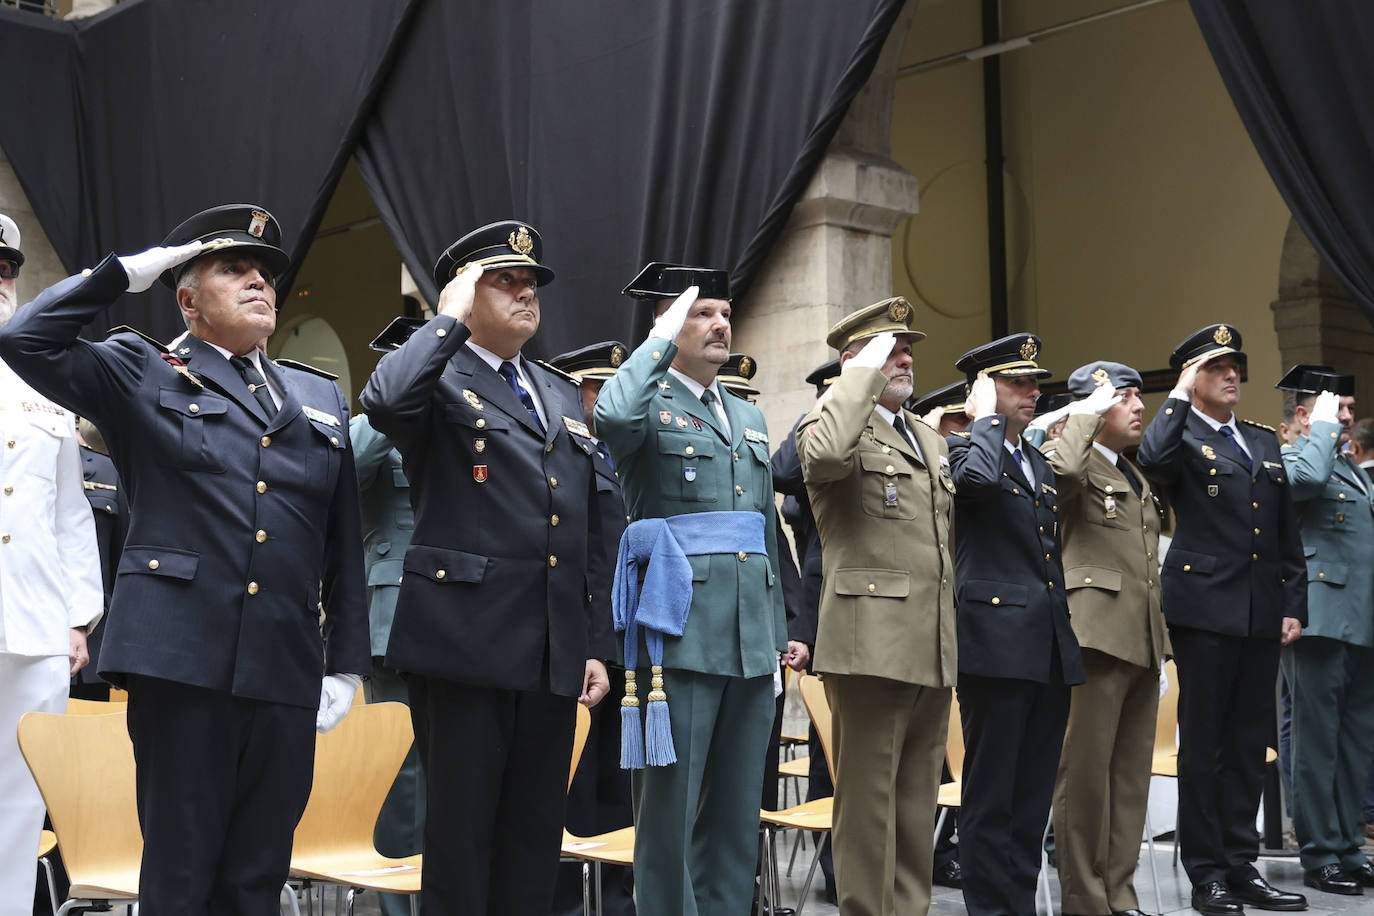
(496, 627)
(50, 585)
(1234, 588)
(1111, 539)
(880, 486)
(693, 465)
(1017, 653)
(243, 530)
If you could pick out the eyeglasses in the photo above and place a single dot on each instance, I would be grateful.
(8, 269)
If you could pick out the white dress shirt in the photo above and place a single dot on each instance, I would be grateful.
(254, 357)
(49, 561)
(491, 359)
(718, 406)
(1231, 422)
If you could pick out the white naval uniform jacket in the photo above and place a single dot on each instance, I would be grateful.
(49, 561)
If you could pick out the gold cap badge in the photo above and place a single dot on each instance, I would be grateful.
(899, 310)
(1222, 335)
(521, 241)
(746, 368)
(258, 224)
(1028, 349)
(1100, 378)
(617, 356)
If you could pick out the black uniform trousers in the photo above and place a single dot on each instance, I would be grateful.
(1013, 733)
(222, 782)
(1225, 720)
(489, 751)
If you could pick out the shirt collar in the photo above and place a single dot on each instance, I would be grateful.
(1216, 424)
(1111, 455)
(254, 356)
(491, 359)
(886, 414)
(694, 386)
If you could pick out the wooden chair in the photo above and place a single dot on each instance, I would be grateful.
(84, 767)
(614, 848)
(951, 794)
(355, 765)
(47, 842)
(80, 707)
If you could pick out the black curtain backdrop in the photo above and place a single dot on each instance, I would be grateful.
(624, 131)
(1302, 77)
(131, 121)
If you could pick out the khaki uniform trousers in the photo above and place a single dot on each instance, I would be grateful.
(889, 744)
(1104, 784)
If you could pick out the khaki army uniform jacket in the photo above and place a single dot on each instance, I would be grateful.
(883, 512)
(1111, 549)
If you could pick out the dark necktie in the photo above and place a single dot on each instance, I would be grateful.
(605, 455)
(1124, 467)
(900, 425)
(507, 371)
(256, 385)
(1231, 438)
(708, 397)
(1024, 465)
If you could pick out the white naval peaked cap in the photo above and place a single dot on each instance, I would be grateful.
(9, 240)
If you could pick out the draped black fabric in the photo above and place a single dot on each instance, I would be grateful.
(133, 120)
(1302, 77)
(625, 131)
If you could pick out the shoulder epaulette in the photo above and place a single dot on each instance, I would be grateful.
(559, 372)
(1261, 426)
(962, 432)
(125, 329)
(305, 367)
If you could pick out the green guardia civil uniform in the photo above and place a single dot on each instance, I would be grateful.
(697, 819)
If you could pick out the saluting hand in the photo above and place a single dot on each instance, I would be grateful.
(595, 683)
(144, 268)
(982, 397)
(933, 418)
(1103, 399)
(1183, 390)
(456, 298)
(873, 355)
(1327, 408)
(669, 324)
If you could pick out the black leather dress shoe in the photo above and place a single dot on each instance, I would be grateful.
(1363, 876)
(949, 875)
(1213, 899)
(1261, 894)
(1331, 879)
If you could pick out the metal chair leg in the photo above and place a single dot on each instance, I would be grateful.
(52, 884)
(1154, 868)
(940, 823)
(598, 889)
(352, 895)
(586, 888)
(289, 893)
(1044, 881)
(810, 874)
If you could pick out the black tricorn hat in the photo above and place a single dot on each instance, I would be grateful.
(824, 374)
(736, 372)
(508, 243)
(667, 281)
(1206, 343)
(1304, 379)
(595, 361)
(230, 226)
(396, 333)
(1013, 355)
(951, 397)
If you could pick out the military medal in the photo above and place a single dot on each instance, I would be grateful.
(1212, 489)
(665, 417)
(681, 422)
(479, 445)
(472, 399)
(1109, 504)
(890, 494)
(689, 474)
(1209, 453)
(696, 423)
(479, 473)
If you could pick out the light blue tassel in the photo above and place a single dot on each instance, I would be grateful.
(658, 740)
(631, 739)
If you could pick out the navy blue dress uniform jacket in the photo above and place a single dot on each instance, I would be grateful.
(242, 529)
(1013, 609)
(111, 524)
(1235, 566)
(804, 598)
(498, 576)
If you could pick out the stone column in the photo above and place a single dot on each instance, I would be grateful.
(1317, 320)
(835, 253)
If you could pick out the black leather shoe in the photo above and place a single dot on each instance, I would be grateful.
(1260, 893)
(1363, 876)
(949, 875)
(1213, 899)
(1330, 879)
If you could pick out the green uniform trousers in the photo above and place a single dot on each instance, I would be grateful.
(697, 820)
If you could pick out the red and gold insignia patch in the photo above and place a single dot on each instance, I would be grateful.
(479, 473)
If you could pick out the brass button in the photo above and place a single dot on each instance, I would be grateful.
(109, 509)
(1321, 575)
(1340, 516)
(9, 491)
(742, 556)
(739, 490)
(481, 423)
(627, 520)
(996, 600)
(553, 560)
(1016, 491)
(261, 536)
(996, 422)
(553, 520)
(1047, 558)
(333, 440)
(655, 355)
(1334, 435)
(252, 588)
(1109, 488)
(1212, 471)
(548, 449)
(262, 486)
(1254, 505)
(1169, 411)
(736, 455)
(1340, 496)
(1087, 580)
(887, 449)
(1149, 555)
(1187, 567)
(10, 443)
(152, 564)
(1037, 504)
(691, 451)
(1257, 531)
(194, 408)
(875, 399)
(1042, 529)
(266, 441)
(440, 574)
(1254, 556)
(1051, 584)
(872, 587)
(889, 469)
(553, 481)
(440, 332)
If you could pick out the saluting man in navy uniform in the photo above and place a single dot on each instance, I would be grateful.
(243, 530)
(496, 626)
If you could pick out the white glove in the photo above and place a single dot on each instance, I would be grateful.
(1326, 408)
(670, 323)
(873, 355)
(1163, 682)
(1103, 399)
(144, 268)
(982, 397)
(1046, 420)
(336, 697)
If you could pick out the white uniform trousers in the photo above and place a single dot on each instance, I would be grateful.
(27, 684)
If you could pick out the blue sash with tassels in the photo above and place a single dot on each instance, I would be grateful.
(659, 606)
